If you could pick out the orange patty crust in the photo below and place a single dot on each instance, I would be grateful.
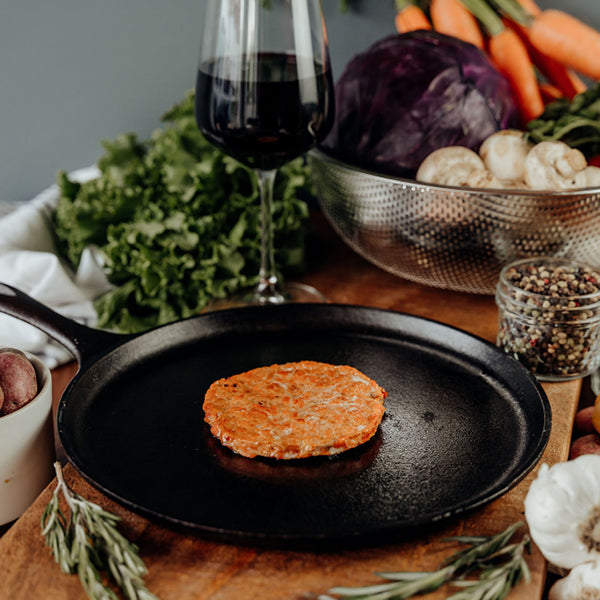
(294, 410)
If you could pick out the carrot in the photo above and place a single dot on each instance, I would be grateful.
(563, 77)
(452, 18)
(410, 17)
(521, 13)
(530, 6)
(550, 92)
(567, 40)
(557, 74)
(509, 54)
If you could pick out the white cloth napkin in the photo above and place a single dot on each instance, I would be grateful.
(29, 262)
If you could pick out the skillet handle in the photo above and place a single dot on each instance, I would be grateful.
(83, 342)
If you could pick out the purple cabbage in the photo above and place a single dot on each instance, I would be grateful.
(409, 94)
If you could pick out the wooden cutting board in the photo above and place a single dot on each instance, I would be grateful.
(183, 565)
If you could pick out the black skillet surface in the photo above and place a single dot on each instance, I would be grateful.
(464, 422)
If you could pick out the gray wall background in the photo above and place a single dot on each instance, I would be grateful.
(74, 72)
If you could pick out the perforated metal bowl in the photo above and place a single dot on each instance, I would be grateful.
(453, 238)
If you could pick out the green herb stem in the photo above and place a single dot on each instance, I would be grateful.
(514, 11)
(499, 565)
(89, 544)
(484, 13)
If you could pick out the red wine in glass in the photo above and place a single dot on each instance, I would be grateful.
(265, 95)
(269, 115)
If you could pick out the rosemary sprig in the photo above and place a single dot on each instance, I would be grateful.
(499, 565)
(88, 543)
(499, 573)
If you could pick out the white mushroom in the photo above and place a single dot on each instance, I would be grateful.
(482, 178)
(452, 165)
(553, 165)
(588, 177)
(517, 184)
(504, 155)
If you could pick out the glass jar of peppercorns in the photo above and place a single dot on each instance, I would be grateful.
(549, 316)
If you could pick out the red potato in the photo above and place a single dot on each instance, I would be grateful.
(18, 380)
(1, 399)
(587, 444)
(583, 421)
(596, 414)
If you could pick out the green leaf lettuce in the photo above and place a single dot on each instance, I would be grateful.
(176, 222)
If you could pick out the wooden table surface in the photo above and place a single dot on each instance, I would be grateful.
(185, 566)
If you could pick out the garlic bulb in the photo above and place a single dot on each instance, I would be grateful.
(582, 583)
(562, 508)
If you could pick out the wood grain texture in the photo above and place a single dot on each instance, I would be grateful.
(185, 566)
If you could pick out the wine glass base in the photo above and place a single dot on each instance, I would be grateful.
(292, 292)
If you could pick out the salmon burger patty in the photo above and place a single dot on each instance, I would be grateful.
(294, 410)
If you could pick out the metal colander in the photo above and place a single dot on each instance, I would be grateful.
(453, 238)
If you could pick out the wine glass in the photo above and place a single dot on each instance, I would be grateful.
(264, 95)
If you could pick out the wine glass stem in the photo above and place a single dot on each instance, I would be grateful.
(268, 289)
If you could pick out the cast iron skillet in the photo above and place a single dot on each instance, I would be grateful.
(464, 422)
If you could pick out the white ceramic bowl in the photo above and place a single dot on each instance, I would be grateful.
(27, 449)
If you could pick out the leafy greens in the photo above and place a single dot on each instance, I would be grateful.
(176, 222)
(575, 122)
